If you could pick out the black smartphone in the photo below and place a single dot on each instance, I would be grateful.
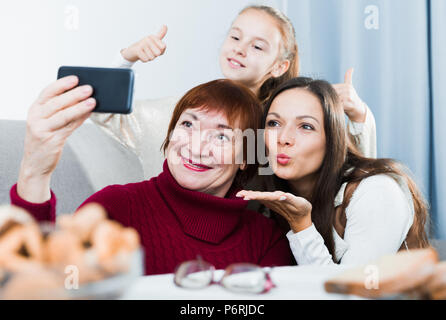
(112, 87)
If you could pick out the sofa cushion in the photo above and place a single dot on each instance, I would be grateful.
(90, 161)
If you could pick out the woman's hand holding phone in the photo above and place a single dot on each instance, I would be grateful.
(146, 49)
(58, 111)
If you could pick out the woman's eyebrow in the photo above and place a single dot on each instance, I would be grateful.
(307, 116)
(224, 126)
(192, 115)
(274, 114)
(298, 117)
(219, 126)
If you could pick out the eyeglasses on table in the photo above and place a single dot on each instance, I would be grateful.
(237, 277)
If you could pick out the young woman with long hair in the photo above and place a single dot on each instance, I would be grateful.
(339, 206)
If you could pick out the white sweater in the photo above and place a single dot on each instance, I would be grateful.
(378, 217)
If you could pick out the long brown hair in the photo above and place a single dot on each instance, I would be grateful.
(340, 157)
(288, 51)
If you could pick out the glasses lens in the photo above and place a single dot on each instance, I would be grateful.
(194, 274)
(244, 277)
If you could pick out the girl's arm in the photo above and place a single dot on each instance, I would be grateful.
(365, 134)
(361, 122)
(129, 129)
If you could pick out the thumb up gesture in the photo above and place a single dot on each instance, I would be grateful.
(353, 106)
(146, 49)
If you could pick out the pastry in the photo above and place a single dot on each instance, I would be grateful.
(84, 221)
(11, 215)
(84, 247)
(390, 275)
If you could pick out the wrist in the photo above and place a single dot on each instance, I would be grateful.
(33, 187)
(300, 225)
(127, 56)
(358, 114)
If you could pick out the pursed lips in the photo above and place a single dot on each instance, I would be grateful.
(283, 158)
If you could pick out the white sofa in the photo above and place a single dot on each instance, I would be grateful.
(90, 161)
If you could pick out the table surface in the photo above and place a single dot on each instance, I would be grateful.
(292, 283)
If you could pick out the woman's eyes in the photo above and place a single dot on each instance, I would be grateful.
(220, 137)
(186, 124)
(307, 127)
(274, 123)
(223, 138)
(258, 48)
(235, 38)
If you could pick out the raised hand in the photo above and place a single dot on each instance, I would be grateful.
(148, 48)
(57, 112)
(353, 106)
(295, 210)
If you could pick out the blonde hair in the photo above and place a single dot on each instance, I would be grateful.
(289, 50)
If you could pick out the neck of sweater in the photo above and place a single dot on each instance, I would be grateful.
(201, 215)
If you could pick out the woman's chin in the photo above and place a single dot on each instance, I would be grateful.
(190, 184)
(194, 181)
(283, 172)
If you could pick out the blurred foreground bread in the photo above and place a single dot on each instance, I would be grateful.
(21, 246)
(34, 258)
(390, 275)
(435, 286)
(12, 215)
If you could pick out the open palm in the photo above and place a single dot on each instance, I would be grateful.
(296, 210)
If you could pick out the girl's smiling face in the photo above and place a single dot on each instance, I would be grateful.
(252, 49)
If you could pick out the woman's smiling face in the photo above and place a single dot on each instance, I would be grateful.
(202, 151)
(295, 135)
(250, 53)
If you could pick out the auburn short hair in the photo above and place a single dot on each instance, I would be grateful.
(233, 100)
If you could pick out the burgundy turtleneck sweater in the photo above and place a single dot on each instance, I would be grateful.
(177, 224)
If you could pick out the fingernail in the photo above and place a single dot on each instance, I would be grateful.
(246, 198)
(72, 79)
(87, 89)
(90, 102)
(282, 198)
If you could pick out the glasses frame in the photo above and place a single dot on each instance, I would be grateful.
(206, 266)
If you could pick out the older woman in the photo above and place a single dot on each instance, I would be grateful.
(190, 209)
